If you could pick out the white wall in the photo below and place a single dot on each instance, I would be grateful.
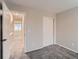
(66, 29)
(33, 31)
(33, 26)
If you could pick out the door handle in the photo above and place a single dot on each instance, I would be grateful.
(4, 40)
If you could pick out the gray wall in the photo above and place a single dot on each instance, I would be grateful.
(66, 29)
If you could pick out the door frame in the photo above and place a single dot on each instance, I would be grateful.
(1, 29)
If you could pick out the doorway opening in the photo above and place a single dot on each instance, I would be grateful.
(18, 35)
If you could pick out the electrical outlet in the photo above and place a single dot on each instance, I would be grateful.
(72, 44)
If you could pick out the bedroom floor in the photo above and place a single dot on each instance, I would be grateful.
(53, 52)
(50, 52)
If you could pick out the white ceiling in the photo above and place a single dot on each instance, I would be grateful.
(53, 6)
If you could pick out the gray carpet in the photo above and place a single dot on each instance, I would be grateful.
(52, 52)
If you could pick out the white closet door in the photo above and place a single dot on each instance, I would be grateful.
(47, 31)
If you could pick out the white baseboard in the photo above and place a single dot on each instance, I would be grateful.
(67, 48)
